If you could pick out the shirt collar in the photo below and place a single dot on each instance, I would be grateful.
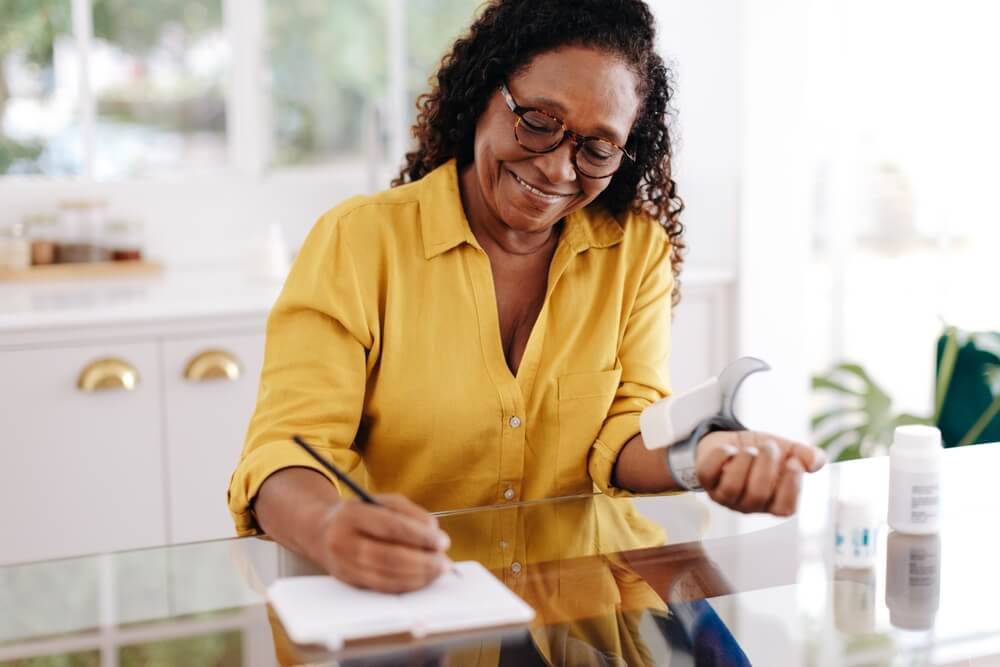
(444, 225)
(442, 219)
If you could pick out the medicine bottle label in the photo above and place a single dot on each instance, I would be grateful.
(917, 497)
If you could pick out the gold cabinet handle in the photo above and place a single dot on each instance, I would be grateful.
(108, 375)
(212, 365)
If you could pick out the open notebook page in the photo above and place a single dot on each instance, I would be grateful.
(323, 610)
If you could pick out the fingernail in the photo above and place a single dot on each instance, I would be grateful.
(752, 451)
(729, 450)
(794, 465)
(443, 541)
(819, 461)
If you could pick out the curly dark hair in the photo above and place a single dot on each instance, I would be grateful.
(502, 41)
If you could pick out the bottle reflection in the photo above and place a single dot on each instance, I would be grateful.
(854, 600)
(913, 580)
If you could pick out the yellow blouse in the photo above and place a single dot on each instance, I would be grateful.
(384, 351)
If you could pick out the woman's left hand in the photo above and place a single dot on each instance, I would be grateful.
(749, 471)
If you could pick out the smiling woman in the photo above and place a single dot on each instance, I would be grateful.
(490, 329)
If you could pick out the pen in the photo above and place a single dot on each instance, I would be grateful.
(342, 476)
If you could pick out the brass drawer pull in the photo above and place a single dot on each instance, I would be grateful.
(212, 365)
(108, 375)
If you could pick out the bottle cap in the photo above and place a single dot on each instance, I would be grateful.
(917, 437)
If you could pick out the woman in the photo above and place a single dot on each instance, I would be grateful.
(490, 329)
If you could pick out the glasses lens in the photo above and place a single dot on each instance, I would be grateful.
(538, 131)
(598, 158)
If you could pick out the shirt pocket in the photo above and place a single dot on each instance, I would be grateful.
(584, 400)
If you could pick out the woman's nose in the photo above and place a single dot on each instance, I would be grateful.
(557, 166)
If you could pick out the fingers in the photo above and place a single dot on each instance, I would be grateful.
(389, 525)
(711, 462)
(391, 547)
(734, 477)
(388, 568)
(811, 458)
(762, 479)
(786, 497)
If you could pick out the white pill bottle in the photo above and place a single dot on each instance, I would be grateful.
(915, 480)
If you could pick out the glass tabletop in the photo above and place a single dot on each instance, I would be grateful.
(648, 581)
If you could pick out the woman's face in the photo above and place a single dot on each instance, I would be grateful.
(594, 93)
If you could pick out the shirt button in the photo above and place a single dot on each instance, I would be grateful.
(515, 421)
(509, 493)
(515, 567)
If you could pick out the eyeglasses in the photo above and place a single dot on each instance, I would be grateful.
(540, 132)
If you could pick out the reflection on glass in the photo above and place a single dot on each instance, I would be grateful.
(913, 580)
(221, 649)
(158, 71)
(328, 70)
(431, 28)
(78, 659)
(854, 600)
(39, 83)
(594, 605)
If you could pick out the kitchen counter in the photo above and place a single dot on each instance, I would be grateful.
(175, 295)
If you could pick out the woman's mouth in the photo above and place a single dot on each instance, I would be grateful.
(535, 191)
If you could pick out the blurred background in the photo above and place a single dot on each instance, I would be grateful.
(161, 161)
(837, 160)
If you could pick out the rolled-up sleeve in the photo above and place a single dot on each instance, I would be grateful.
(644, 356)
(320, 340)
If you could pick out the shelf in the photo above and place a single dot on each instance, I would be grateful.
(82, 271)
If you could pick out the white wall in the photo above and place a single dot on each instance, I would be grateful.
(702, 42)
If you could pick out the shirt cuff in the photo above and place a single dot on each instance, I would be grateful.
(268, 459)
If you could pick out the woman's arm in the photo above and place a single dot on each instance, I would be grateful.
(747, 471)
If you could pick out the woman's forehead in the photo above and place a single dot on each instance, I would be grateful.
(593, 91)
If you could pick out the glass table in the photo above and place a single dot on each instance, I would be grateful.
(666, 580)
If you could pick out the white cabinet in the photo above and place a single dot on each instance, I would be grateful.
(122, 467)
(80, 471)
(210, 385)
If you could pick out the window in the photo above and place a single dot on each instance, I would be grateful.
(116, 89)
(158, 72)
(905, 138)
(328, 73)
(39, 86)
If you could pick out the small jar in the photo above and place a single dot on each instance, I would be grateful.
(122, 240)
(915, 479)
(855, 533)
(41, 230)
(80, 222)
(15, 249)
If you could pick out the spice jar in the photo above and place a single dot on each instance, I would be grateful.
(15, 251)
(42, 234)
(80, 221)
(122, 240)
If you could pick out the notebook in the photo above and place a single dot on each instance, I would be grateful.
(324, 610)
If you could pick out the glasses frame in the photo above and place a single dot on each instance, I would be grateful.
(578, 139)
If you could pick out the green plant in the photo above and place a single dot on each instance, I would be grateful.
(863, 420)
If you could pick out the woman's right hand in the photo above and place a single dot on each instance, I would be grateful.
(394, 547)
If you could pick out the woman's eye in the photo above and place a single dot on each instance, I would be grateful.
(538, 123)
(597, 152)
